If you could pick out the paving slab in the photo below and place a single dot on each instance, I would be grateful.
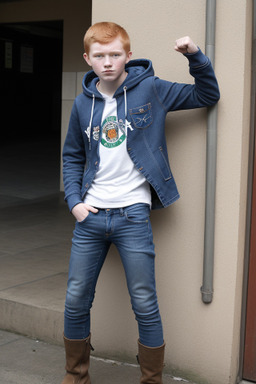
(33, 265)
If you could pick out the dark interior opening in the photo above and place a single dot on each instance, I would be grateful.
(30, 118)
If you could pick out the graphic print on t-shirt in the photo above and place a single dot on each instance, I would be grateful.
(113, 132)
(117, 182)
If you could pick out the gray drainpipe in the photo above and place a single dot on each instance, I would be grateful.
(211, 155)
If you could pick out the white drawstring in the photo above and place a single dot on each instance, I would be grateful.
(125, 103)
(89, 128)
(127, 123)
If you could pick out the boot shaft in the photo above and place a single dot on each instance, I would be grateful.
(151, 362)
(77, 361)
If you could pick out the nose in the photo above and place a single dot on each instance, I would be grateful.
(107, 62)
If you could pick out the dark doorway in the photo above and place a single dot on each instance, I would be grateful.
(30, 118)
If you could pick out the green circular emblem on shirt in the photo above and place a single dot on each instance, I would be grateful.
(113, 133)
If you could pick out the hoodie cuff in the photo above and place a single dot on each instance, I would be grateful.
(73, 200)
(197, 59)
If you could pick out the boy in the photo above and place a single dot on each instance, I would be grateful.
(116, 168)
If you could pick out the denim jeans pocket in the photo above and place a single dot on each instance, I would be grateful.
(85, 219)
(138, 213)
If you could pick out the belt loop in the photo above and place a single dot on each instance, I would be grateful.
(121, 211)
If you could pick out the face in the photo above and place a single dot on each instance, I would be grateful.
(108, 60)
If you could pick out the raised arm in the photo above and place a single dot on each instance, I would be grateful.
(204, 92)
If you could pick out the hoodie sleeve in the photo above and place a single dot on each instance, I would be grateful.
(203, 93)
(74, 160)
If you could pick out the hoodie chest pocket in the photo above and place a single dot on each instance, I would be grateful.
(142, 116)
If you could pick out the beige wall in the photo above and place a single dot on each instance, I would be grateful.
(202, 340)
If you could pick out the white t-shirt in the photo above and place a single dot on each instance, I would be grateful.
(117, 182)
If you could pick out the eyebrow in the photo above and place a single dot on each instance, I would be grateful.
(102, 52)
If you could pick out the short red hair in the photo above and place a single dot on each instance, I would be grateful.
(105, 32)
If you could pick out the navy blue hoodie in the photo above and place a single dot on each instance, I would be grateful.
(143, 101)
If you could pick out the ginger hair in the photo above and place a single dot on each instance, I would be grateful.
(105, 32)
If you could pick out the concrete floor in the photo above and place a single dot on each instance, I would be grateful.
(30, 361)
(34, 252)
(35, 239)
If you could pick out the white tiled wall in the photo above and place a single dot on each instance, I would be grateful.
(68, 85)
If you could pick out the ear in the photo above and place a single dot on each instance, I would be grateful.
(86, 58)
(129, 55)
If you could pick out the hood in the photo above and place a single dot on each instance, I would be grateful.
(137, 71)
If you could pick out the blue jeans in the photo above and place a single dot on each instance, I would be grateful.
(130, 230)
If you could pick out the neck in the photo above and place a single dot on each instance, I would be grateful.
(109, 87)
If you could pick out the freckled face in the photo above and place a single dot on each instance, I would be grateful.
(108, 60)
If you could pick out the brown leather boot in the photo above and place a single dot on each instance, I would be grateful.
(151, 362)
(77, 361)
